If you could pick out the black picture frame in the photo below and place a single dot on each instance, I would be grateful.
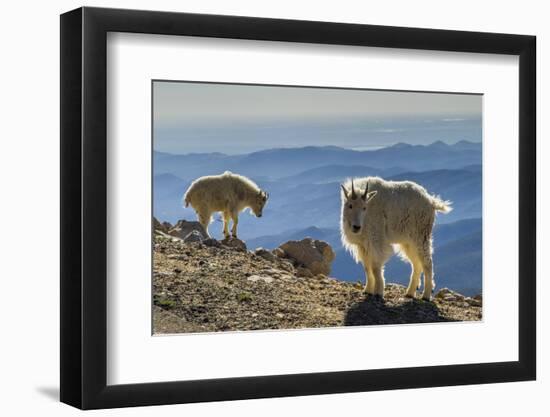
(84, 207)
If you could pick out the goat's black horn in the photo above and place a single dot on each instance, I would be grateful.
(353, 195)
(366, 191)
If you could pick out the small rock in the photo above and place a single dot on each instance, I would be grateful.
(443, 292)
(473, 302)
(183, 227)
(210, 242)
(234, 243)
(193, 236)
(287, 266)
(278, 252)
(280, 315)
(273, 272)
(264, 253)
(256, 278)
(163, 274)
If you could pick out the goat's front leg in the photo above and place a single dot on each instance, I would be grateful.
(369, 284)
(378, 272)
(235, 218)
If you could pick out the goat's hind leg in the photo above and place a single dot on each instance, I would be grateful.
(226, 218)
(235, 217)
(416, 270)
(427, 266)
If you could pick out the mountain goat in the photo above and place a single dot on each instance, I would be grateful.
(227, 193)
(377, 214)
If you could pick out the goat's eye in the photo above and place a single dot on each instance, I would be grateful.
(350, 206)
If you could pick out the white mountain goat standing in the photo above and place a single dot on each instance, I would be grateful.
(377, 214)
(227, 193)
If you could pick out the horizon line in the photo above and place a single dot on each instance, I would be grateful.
(373, 148)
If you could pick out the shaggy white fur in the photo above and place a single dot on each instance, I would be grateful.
(390, 213)
(227, 193)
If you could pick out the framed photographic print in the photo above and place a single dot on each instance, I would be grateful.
(258, 207)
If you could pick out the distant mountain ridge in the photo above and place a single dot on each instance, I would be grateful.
(438, 155)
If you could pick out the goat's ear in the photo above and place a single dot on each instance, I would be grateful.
(344, 190)
(370, 195)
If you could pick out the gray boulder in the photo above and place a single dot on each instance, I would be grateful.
(183, 228)
(163, 227)
(193, 236)
(315, 255)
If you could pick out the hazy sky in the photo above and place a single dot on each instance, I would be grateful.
(195, 117)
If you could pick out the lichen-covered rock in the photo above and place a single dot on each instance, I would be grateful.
(315, 255)
(183, 228)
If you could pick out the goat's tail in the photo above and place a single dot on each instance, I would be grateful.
(443, 206)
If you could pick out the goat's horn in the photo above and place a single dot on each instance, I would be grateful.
(366, 191)
(353, 195)
(344, 190)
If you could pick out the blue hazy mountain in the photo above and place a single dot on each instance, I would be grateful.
(338, 173)
(269, 163)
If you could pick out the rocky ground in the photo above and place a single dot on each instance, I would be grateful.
(203, 285)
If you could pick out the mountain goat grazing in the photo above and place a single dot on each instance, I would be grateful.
(227, 193)
(377, 214)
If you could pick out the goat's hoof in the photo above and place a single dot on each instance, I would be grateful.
(410, 295)
(427, 297)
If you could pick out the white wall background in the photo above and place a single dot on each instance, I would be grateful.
(29, 175)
